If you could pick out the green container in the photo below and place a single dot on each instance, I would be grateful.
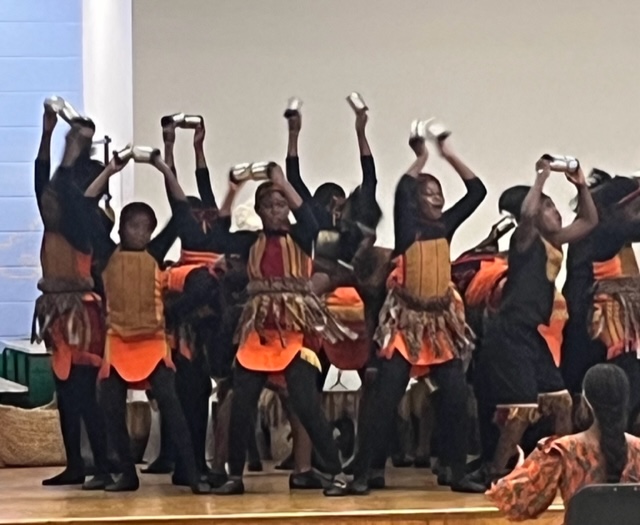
(30, 369)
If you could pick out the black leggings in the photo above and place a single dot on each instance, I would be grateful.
(386, 393)
(113, 398)
(193, 387)
(77, 401)
(301, 379)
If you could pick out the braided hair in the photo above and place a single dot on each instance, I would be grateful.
(606, 388)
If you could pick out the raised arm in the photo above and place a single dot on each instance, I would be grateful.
(476, 190)
(97, 187)
(293, 162)
(405, 213)
(227, 204)
(587, 218)
(203, 178)
(42, 171)
(306, 227)
(174, 189)
(527, 230)
(160, 245)
(369, 179)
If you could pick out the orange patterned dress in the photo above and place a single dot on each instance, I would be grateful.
(566, 464)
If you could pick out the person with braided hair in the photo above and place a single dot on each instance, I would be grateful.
(603, 453)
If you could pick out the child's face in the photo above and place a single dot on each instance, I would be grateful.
(274, 211)
(136, 232)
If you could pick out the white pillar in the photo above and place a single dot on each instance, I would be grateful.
(108, 79)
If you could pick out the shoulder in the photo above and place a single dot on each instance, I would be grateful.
(560, 445)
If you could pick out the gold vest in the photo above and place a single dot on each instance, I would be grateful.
(628, 260)
(133, 286)
(554, 260)
(427, 268)
(64, 269)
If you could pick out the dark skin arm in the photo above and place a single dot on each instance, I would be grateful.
(293, 163)
(203, 178)
(43, 160)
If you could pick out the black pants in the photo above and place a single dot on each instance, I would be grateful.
(387, 391)
(193, 387)
(77, 401)
(113, 398)
(301, 380)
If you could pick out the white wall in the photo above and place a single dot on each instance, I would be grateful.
(512, 79)
(108, 84)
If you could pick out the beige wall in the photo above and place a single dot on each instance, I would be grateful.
(512, 78)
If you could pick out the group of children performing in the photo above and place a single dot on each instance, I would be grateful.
(276, 307)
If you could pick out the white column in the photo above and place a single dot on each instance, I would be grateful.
(108, 79)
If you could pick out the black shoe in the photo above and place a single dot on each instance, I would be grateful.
(465, 485)
(217, 479)
(180, 480)
(445, 477)
(159, 466)
(126, 483)
(422, 462)
(377, 483)
(340, 488)
(66, 477)
(201, 487)
(255, 466)
(233, 487)
(308, 480)
(479, 476)
(98, 482)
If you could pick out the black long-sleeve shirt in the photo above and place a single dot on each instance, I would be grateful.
(67, 198)
(410, 227)
(322, 215)
(190, 231)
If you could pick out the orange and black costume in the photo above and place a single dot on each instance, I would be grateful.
(68, 315)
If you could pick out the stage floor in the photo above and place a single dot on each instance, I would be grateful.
(413, 499)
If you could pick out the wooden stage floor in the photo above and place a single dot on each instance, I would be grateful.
(413, 499)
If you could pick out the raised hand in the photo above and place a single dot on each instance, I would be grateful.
(543, 168)
(169, 133)
(49, 120)
(419, 146)
(295, 122)
(276, 175)
(577, 178)
(444, 146)
(198, 136)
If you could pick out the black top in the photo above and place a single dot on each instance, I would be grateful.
(193, 237)
(322, 215)
(303, 232)
(528, 295)
(409, 227)
(189, 229)
(69, 198)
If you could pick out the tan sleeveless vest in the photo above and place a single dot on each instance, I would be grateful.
(64, 269)
(427, 268)
(133, 286)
